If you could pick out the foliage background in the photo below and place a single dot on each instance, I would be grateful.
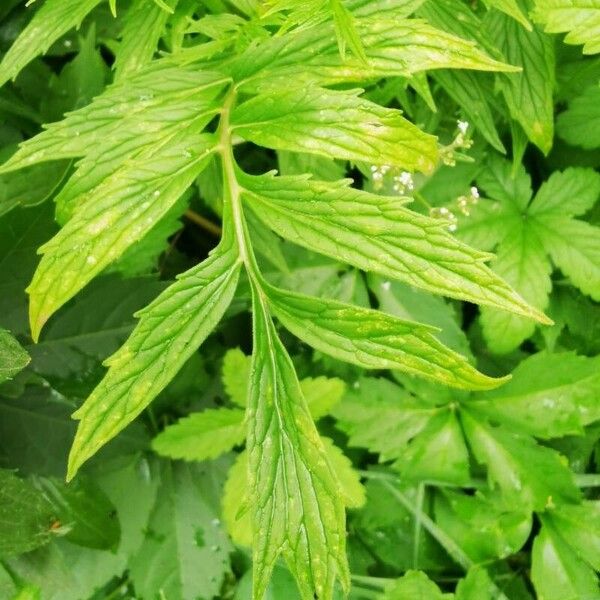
(485, 494)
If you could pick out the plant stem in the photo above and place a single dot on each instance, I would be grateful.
(203, 222)
(451, 547)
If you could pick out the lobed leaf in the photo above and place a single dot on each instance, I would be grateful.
(579, 125)
(131, 112)
(528, 94)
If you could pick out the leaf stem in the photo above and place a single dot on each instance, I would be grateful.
(203, 222)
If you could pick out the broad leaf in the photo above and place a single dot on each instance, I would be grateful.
(557, 572)
(235, 375)
(84, 511)
(170, 330)
(296, 504)
(549, 395)
(414, 585)
(527, 474)
(184, 554)
(579, 526)
(143, 26)
(484, 527)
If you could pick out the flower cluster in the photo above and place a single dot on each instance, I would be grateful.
(462, 141)
(463, 204)
(402, 180)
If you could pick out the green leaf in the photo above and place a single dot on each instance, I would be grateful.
(79, 81)
(568, 193)
(201, 436)
(528, 475)
(91, 328)
(169, 332)
(236, 513)
(143, 26)
(119, 212)
(351, 488)
(528, 94)
(322, 394)
(379, 415)
(65, 571)
(51, 21)
(438, 453)
(378, 234)
(346, 32)
(575, 249)
(126, 118)
(297, 507)
(484, 527)
(522, 262)
(21, 233)
(416, 586)
(579, 525)
(394, 46)
(556, 571)
(402, 300)
(476, 585)
(374, 340)
(335, 124)
(512, 9)
(235, 375)
(579, 125)
(13, 358)
(580, 18)
(185, 552)
(84, 510)
(32, 186)
(25, 515)
(549, 395)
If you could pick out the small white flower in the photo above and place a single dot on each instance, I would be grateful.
(463, 127)
(474, 193)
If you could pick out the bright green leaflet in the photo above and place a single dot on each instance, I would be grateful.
(580, 18)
